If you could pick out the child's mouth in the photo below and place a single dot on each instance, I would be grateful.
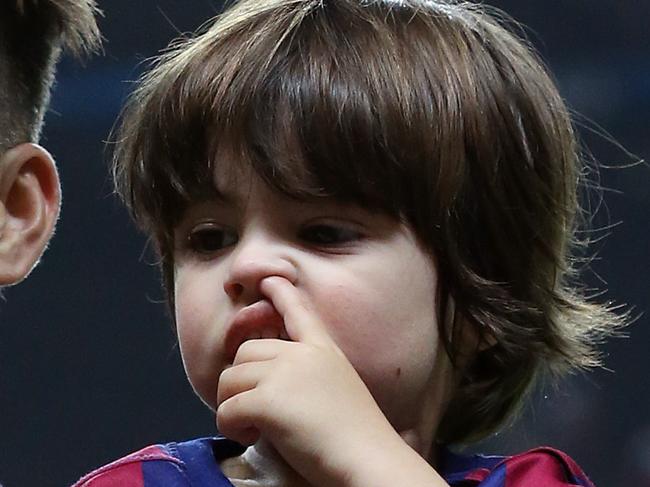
(258, 320)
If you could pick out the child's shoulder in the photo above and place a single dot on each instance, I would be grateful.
(540, 466)
(183, 464)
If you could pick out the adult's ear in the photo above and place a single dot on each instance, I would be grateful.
(30, 199)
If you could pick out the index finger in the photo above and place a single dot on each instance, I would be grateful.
(302, 324)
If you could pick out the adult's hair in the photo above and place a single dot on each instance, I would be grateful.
(430, 111)
(32, 36)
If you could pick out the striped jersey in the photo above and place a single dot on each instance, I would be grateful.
(196, 463)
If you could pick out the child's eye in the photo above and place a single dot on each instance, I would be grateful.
(323, 234)
(209, 239)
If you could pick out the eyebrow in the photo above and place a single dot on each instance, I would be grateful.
(230, 197)
(237, 199)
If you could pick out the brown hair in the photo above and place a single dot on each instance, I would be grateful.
(32, 34)
(430, 111)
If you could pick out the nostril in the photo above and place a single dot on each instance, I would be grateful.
(233, 289)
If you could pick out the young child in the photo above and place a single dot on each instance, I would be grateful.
(32, 35)
(365, 212)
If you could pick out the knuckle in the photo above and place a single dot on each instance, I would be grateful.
(225, 375)
(245, 349)
(225, 384)
(225, 379)
(222, 416)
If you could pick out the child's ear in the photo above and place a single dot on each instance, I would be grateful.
(469, 340)
(30, 198)
(474, 341)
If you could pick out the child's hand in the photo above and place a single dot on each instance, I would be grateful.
(305, 398)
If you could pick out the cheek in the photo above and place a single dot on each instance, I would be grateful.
(191, 308)
(198, 334)
(382, 313)
(387, 330)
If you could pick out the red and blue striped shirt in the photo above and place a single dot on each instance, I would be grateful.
(196, 463)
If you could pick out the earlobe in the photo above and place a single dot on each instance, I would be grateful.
(30, 198)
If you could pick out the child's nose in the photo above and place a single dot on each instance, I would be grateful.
(253, 260)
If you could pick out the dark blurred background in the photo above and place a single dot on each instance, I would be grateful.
(88, 365)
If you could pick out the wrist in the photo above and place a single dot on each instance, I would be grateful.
(390, 462)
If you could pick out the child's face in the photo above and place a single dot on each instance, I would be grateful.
(364, 275)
